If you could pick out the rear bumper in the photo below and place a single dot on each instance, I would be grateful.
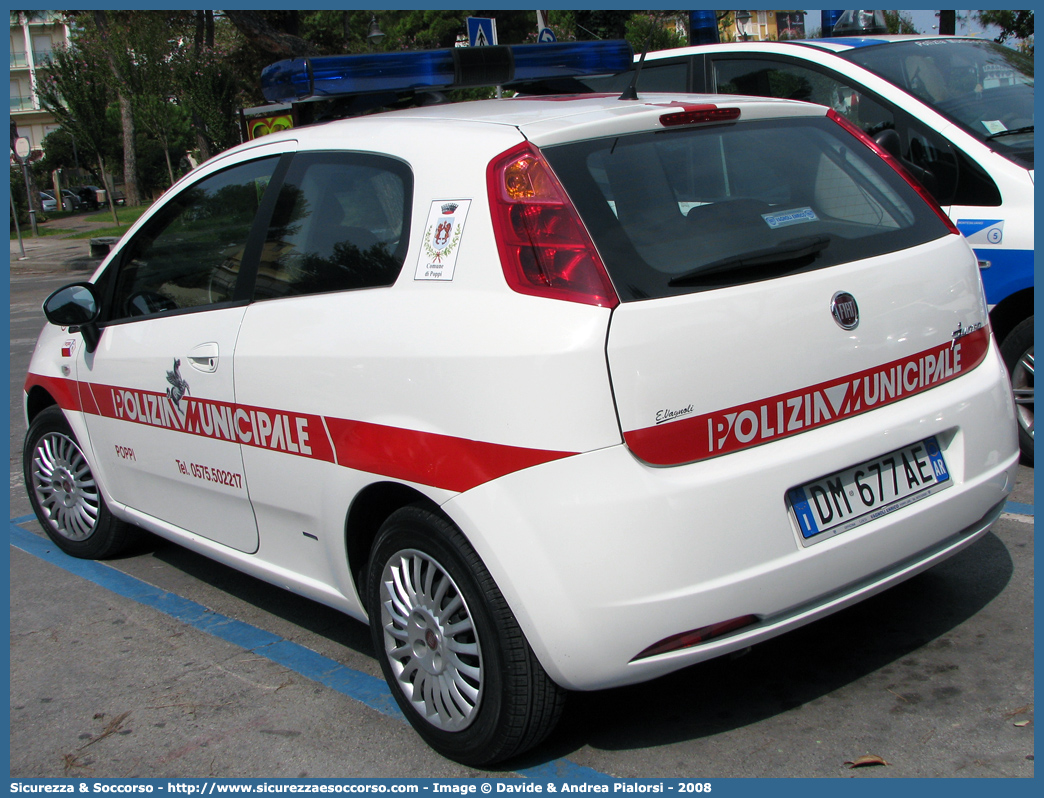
(601, 556)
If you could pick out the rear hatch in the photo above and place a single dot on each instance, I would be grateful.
(775, 275)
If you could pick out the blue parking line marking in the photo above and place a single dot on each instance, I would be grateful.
(358, 686)
(1018, 508)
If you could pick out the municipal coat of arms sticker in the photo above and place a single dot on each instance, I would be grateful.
(442, 234)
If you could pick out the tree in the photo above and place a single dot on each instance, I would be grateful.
(601, 24)
(272, 38)
(1013, 25)
(115, 48)
(427, 30)
(562, 23)
(75, 90)
(899, 22)
(206, 86)
(154, 102)
(655, 30)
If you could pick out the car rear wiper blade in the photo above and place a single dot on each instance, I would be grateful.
(1015, 131)
(782, 254)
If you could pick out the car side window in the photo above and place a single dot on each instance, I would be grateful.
(928, 156)
(947, 173)
(767, 77)
(188, 254)
(341, 221)
(664, 76)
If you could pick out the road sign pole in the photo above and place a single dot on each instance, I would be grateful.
(18, 229)
(29, 199)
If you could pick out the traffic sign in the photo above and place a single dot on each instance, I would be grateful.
(546, 36)
(482, 31)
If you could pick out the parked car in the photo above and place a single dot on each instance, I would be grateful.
(49, 204)
(958, 113)
(559, 394)
(91, 197)
(70, 201)
(95, 196)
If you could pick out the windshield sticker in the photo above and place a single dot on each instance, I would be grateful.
(994, 126)
(442, 234)
(982, 231)
(787, 218)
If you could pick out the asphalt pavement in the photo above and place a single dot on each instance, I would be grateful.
(164, 664)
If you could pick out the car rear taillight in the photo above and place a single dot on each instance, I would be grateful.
(544, 248)
(922, 192)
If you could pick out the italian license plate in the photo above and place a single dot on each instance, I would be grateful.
(846, 499)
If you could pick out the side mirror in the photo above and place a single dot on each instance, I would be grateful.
(76, 307)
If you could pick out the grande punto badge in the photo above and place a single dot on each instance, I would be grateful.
(845, 311)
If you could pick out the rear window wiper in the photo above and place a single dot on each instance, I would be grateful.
(783, 254)
(1015, 131)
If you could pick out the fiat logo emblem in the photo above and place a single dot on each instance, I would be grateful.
(845, 311)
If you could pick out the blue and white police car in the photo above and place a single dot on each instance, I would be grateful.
(557, 393)
(957, 111)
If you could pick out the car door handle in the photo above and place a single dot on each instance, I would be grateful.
(204, 358)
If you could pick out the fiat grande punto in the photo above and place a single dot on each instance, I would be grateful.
(557, 393)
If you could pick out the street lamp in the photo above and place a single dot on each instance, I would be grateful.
(375, 34)
(742, 20)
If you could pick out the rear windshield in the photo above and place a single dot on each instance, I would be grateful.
(678, 211)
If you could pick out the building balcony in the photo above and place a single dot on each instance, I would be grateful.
(36, 17)
(41, 59)
(24, 103)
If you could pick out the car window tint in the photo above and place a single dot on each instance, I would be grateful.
(929, 157)
(341, 221)
(743, 202)
(672, 76)
(932, 156)
(188, 255)
(766, 77)
(985, 87)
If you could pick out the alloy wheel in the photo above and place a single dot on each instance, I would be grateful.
(430, 640)
(64, 486)
(1022, 385)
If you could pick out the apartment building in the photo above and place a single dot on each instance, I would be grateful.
(34, 35)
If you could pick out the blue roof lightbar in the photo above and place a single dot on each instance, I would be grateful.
(324, 77)
(571, 59)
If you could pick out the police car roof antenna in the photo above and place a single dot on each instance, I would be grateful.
(631, 92)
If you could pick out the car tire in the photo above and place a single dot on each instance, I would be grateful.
(1017, 351)
(453, 654)
(65, 494)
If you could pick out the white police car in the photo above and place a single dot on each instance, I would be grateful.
(560, 393)
(959, 113)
